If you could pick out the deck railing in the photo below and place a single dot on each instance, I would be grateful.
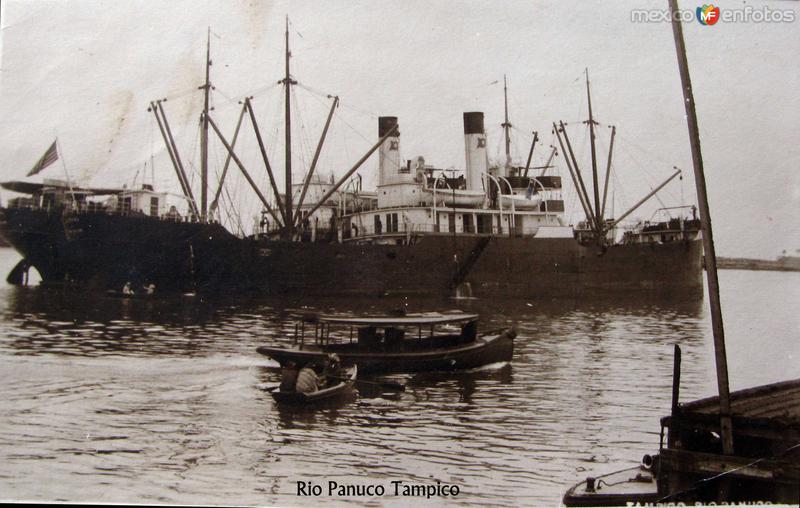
(122, 209)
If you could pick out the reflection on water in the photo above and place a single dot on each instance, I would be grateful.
(164, 401)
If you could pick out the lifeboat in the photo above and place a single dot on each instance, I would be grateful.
(520, 202)
(462, 198)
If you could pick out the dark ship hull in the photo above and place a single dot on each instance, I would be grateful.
(105, 251)
(507, 266)
(102, 250)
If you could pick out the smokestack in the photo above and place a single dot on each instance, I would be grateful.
(475, 147)
(389, 163)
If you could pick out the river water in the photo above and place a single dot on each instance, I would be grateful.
(162, 401)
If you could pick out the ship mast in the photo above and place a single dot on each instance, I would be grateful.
(506, 125)
(204, 135)
(287, 81)
(597, 210)
(726, 427)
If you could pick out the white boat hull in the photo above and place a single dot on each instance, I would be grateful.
(517, 202)
(459, 198)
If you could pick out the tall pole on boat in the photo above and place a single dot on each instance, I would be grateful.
(726, 428)
(506, 124)
(288, 143)
(204, 141)
(597, 210)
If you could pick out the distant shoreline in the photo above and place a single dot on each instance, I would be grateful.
(782, 264)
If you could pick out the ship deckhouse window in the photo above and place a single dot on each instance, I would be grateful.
(154, 206)
(468, 224)
(484, 223)
(391, 223)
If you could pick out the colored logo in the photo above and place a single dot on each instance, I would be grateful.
(708, 14)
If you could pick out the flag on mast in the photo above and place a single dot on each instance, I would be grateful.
(49, 157)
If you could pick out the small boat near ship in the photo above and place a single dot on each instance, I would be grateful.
(338, 389)
(388, 344)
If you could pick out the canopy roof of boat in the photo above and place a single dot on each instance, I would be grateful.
(778, 401)
(36, 188)
(405, 320)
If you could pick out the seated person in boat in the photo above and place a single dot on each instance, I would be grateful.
(318, 375)
(289, 375)
(469, 332)
(331, 371)
(307, 381)
(368, 336)
(393, 338)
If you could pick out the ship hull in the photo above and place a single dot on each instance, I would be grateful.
(507, 267)
(106, 251)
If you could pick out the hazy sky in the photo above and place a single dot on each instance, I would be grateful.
(85, 71)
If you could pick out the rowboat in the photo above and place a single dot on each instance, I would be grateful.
(409, 343)
(343, 389)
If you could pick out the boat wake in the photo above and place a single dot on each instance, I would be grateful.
(489, 367)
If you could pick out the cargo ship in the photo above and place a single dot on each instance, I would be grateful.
(486, 231)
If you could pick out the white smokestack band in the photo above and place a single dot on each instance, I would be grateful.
(475, 147)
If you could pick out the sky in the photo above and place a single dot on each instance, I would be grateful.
(84, 71)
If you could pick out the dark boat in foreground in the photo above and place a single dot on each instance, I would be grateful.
(692, 467)
(398, 343)
(342, 390)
